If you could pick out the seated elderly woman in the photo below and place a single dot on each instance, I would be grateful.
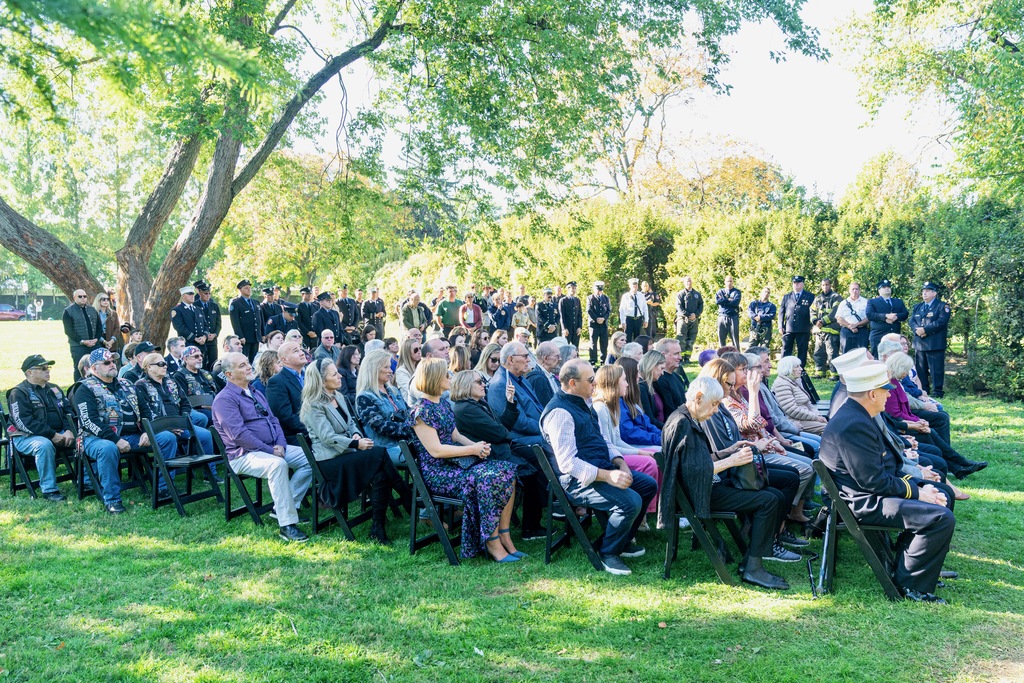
(475, 420)
(455, 466)
(566, 353)
(632, 350)
(635, 427)
(380, 406)
(350, 462)
(296, 336)
(708, 481)
(652, 366)
(897, 407)
(794, 401)
(753, 426)
(609, 388)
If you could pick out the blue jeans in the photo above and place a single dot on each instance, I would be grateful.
(624, 507)
(199, 418)
(108, 460)
(45, 453)
(812, 440)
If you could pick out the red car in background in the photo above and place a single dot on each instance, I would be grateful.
(9, 312)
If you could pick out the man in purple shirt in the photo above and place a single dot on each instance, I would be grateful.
(255, 444)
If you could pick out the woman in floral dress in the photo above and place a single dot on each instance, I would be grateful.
(487, 488)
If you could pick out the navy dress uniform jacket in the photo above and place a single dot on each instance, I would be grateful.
(878, 309)
(246, 319)
(795, 312)
(934, 318)
(189, 322)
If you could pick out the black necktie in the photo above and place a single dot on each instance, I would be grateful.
(636, 307)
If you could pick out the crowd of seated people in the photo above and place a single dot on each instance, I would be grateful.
(472, 387)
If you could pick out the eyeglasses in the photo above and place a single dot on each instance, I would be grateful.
(480, 382)
(81, 296)
(493, 360)
(730, 384)
(260, 410)
(415, 350)
(518, 355)
(589, 380)
(161, 364)
(41, 368)
(104, 300)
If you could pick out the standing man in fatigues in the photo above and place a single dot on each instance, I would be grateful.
(867, 466)
(211, 311)
(689, 308)
(599, 308)
(547, 317)
(826, 329)
(886, 314)
(653, 300)
(633, 313)
(189, 322)
(795, 320)
(571, 312)
(82, 327)
(246, 320)
(728, 299)
(304, 318)
(930, 325)
(762, 319)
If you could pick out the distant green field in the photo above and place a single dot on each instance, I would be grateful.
(149, 596)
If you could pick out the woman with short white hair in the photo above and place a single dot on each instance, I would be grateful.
(792, 398)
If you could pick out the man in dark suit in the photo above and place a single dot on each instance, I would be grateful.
(304, 318)
(540, 379)
(284, 391)
(269, 308)
(571, 313)
(328, 319)
(930, 325)
(599, 309)
(867, 469)
(689, 309)
(284, 321)
(514, 367)
(246, 320)
(188, 321)
(795, 320)
(886, 314)
(350, 313)
(211, 311)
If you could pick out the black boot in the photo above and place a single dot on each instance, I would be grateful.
(380, 494)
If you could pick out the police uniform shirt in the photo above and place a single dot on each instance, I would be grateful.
(934, 318)
(211, 311)
(853, 311)
(547, 314)
(728, 301)
(795, 312)
(878, 308)
(328, 319)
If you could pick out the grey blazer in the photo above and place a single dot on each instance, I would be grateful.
(331, 434)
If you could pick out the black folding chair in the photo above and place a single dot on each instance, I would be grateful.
(5, 441)
(255, 509)
(874, 541)
(573, 526)
(339, 516)
(422, 498)
(201, 401)
(19, 464)
(194, 459)
(706, 533)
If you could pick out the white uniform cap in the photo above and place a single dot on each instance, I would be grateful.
(187, 290)
(850, 360)
(871, 375)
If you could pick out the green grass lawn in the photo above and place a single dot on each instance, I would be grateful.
(148, 596)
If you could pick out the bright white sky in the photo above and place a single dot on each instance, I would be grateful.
(801, 113)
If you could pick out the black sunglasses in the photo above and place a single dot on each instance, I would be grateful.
(161, 364)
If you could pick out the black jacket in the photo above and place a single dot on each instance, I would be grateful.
(647, 403)
(39, 411)
(475, 420)
(285, 398)
(538, 381)
(672, 391)
(246, 319)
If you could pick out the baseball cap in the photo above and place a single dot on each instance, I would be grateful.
(101, 356)
(35, 361)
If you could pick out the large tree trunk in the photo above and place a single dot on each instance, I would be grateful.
(133, 279)
(46, 253)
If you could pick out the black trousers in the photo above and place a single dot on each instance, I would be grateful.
(634, 328)
(250, 349)
(800, 340)
(729, 325)
(760, 335)
(598, 343)
(922, 547)
(209, 355)
(929, 455)
(686, 335)
(848, 341)
(938, 421)
(931, 370)
(826, 347)
(956, 461)
(77, 352)
(763, 508)
(571, 336)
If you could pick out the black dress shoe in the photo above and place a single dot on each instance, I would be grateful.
(293, 534)
(918, 596)
(380, 534)
(115, 508)
(948, 574)
(54, 496)
(765, 579)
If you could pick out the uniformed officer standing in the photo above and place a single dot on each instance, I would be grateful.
(866, 468)
(826, 329)
(633, 314)
(728, 299)
(246, 320)
(285, 321)
(762, 319)
(374, 312)
(269, 308)
(304, 318)
(571, 312)
(350, 312)
(599, 308)
(689, 309)
(327, 318)
(795, 320)
(930, 325)
(886, 314)
(653, 300)
(188, 321)
(211, 311)
(547, 317)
